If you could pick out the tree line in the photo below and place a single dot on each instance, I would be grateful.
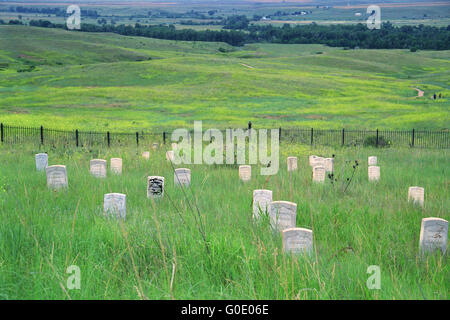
(349, 36)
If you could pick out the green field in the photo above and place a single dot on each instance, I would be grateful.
(67, 80)
(159, 253)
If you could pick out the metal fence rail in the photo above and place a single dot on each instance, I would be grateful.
(319, 137)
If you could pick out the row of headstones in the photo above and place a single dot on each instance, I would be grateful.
(283, 215)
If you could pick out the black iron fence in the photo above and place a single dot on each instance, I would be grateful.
(376, 138)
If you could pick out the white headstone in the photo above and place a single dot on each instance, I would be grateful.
(416, 195)
(311, 160)
(372, 161)
(155, 187)
(317, 161)
(155, 146)
(433, 235)
(170, 155)
(146, 154)
(283, 215)
(115, 205)
(319, 174)
(245, 173)
(374, 173)
(292, 163)
(56, 177)
(116, 165)
(41, 161)
(261, 202)
(98, 168)
(182, 176)
(298, 240)
(329, 164)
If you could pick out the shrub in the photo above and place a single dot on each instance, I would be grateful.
(371, 141)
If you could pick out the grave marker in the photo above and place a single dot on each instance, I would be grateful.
(292, 163)
(245, 173)
(56, 176)
(115, 205)
(155, 146)
(298, 240)
(319, 174)
(372, 161)
(374, 173)
(170, 155)
(329, 164)
(146, 155)
(116, 165)
(155, 187)
(182, 176)
(261, 202)
(98, 168)
(41, 161)
(433, 235)
(416, 195)
(283, 215)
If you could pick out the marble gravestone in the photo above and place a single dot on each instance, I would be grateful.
(329, 164)
(416, 195)
(146, 155)
(372, 161)
(292, 163)
(261, 202)
(115, 205)
(182, 176)
(283, 215)
(319, 174)
(245, 173)
(98, 168)
(374, 173)
(316, 161)
(56, 177)
(297, 241)
(170, 155)
(155, 187)
(433, 235)
(116, 165)
(41, 161)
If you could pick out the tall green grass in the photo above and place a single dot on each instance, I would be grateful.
(159, 253)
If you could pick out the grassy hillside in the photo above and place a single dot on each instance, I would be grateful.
(69, 80)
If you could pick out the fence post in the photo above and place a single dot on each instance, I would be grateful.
(343, 136)
(312, 136)
(42, 135)
(108, 138)
(137, 139)
(164, 137)
(377, 139)
(279, 133)
(76, 137)
(412, 142)
(1, 129)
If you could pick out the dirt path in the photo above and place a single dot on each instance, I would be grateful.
(246, 65)
(419, 92)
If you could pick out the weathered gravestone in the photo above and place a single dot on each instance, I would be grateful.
(245, 173)
(311, 160)
(433, 235)
(116, 165)
(170, 155)
(115, 205)
(329, 164)
(298, 241)
(372, 161)
(374, 173)
(155, 187)
(56, 177)
(317, 162)
(146, 155)
(319, 174)
(155, 146)
(416, 195)
(261, 202)
(41, 161)
(182, 176)
(283, 215)
(292, 163)
(98, 168)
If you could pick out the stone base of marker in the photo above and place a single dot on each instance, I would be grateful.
(261, 202)
(98, 168)
(298, 241)
(433, 235)
(41, 161)
(283, 215)
(182, 177)
(374, 173)
(372, 161)
(318, 174)
(245, 173)
(115, 205)
(116, 165)
(416, 195)
(155, 187)
(146, 155)
(292, 163)
(56, 177)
